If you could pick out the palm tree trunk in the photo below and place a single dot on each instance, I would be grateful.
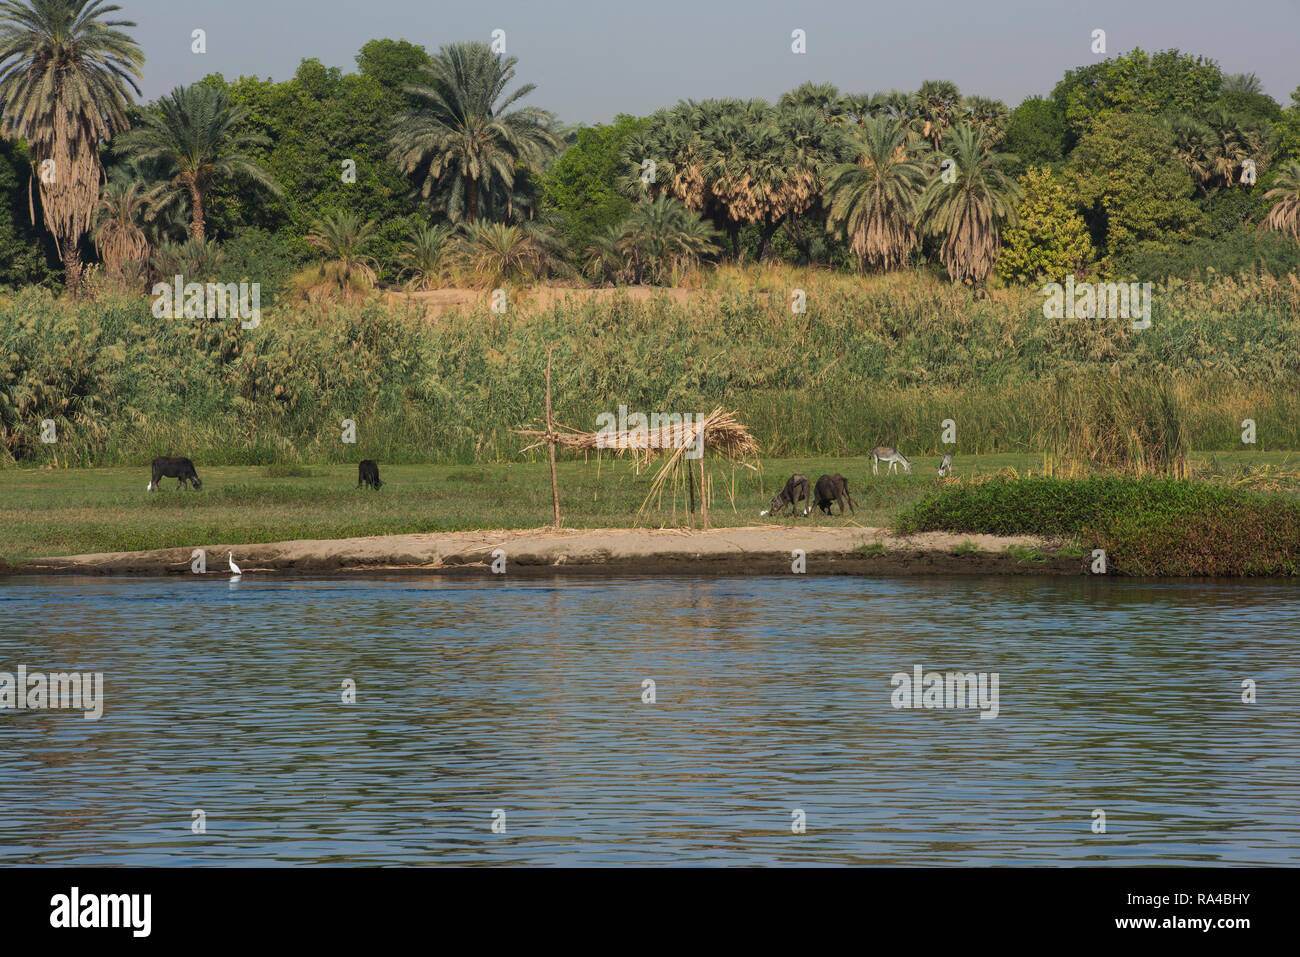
(71, 255)
(471, 201)
(765, 244)
(196, 202)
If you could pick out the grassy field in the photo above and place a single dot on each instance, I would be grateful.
(72, 511)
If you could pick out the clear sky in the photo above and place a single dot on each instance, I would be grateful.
(592, 59)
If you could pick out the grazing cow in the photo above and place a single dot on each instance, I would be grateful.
(174, 466)
(795, 489)
(833, 488)
(945, 467)
(368, 474)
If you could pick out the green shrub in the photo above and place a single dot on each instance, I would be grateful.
(1146, 527)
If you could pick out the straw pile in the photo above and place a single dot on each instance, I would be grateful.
(723, 434)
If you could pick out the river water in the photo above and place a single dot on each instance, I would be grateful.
(773, 737)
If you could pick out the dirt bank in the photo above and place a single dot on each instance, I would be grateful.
(763, 550)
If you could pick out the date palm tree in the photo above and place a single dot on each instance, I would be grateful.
(464, 137)
(424, 255)
(341, 236)
(872, 202)
(64, 77)
(495, 252)
(193, 134)
(659, 241)
(1284, 216)
(122, 243)
(969, 213)
(1241, 83)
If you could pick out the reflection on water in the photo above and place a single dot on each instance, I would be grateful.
(772, 694)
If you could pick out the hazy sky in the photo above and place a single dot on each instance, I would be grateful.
(592, 59)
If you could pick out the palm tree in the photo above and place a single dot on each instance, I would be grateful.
(196, 258)
(465, 138)
(64, 73)
(988, 117)
(1233, 139)
(340, 236)
(423, 255)
(873, 201)
(969, 213)
(823, 97)
(604, 261)
(495, 252)
(121, 241)
(1241, 83)
(193, 134)
(658, 241)
(935, 106)
(1191, 147)
(1284, 217)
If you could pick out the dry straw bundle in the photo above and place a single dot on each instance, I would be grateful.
(723, 434)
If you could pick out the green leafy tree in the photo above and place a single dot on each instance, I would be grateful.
(1167, 81)
(582, 187)
(392, 62)
(1036, 133)
(1131, 189)
(23, 258)
(328, 149)
(1050, 238)
(1286, 129)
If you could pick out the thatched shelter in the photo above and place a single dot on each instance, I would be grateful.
(678, 442)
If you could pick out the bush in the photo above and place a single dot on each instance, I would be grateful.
(1147, 527)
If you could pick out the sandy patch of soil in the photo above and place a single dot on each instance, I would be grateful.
(762, 550)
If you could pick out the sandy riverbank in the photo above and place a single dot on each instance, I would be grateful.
(761, 550)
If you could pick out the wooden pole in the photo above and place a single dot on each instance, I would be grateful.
(690, 485)
(704, 492)
(550, 440)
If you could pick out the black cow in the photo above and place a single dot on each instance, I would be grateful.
(795, 489)
(833, 488)
(368, 474)
(177, 467)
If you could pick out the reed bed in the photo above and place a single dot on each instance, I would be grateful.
(881, 360)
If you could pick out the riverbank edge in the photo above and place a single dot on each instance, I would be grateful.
(754, 550)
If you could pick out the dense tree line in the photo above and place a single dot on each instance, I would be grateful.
(424, 168)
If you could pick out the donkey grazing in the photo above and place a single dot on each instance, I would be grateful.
(883, 453)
